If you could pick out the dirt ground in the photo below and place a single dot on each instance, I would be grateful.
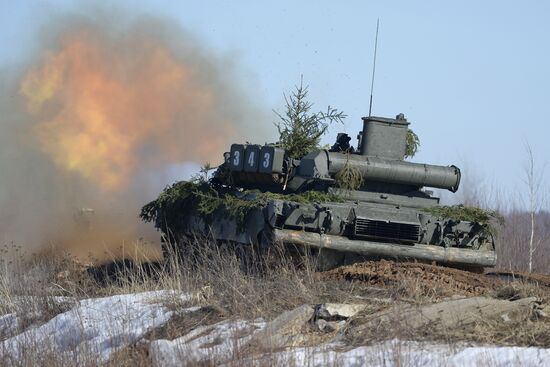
(542, 280)
(443, 280)
(418, 286)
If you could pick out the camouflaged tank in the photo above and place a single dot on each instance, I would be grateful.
(343, 203)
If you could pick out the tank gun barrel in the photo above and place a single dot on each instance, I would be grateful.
(325, 164)
(382, 148)
(398, 172)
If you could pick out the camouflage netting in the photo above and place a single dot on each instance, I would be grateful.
(487, 218)
(185, 198)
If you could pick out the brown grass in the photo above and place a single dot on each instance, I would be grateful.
(248, 285)
(530, 329)
(225, 284)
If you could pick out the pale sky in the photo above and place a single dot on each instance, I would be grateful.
(473, 77)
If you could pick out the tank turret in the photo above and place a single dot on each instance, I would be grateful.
(379, 159)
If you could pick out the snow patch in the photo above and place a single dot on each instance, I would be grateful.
(8, 325)
(94, 328)
(404, 353)
(227, 341)
(215, 343)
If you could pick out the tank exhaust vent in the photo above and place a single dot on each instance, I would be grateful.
(390, 231)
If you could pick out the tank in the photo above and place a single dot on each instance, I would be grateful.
(342, 203)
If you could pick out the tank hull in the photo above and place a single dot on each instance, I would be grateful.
(367, 229)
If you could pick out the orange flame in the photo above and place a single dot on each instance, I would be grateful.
(106, 106)
(109, 109)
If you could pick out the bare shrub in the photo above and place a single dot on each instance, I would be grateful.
(513, 242)
(523, 242)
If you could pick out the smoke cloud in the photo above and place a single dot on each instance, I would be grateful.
(95, 121)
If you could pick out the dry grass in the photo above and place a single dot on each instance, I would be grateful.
(30, 289)
(529, 329)
(246, 283)
(235, 285)
(226, 284)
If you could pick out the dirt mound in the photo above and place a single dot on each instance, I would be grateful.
(437, 280)
(542, 280)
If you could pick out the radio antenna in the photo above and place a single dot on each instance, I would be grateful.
(374, 65)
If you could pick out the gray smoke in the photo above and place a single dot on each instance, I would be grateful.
(150, 122)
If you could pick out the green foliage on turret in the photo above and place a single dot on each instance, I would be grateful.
(349, 177)
(413, 142)
(300, 130)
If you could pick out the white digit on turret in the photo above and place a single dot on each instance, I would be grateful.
(267, 159)
(236, 158)
(251, 159)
